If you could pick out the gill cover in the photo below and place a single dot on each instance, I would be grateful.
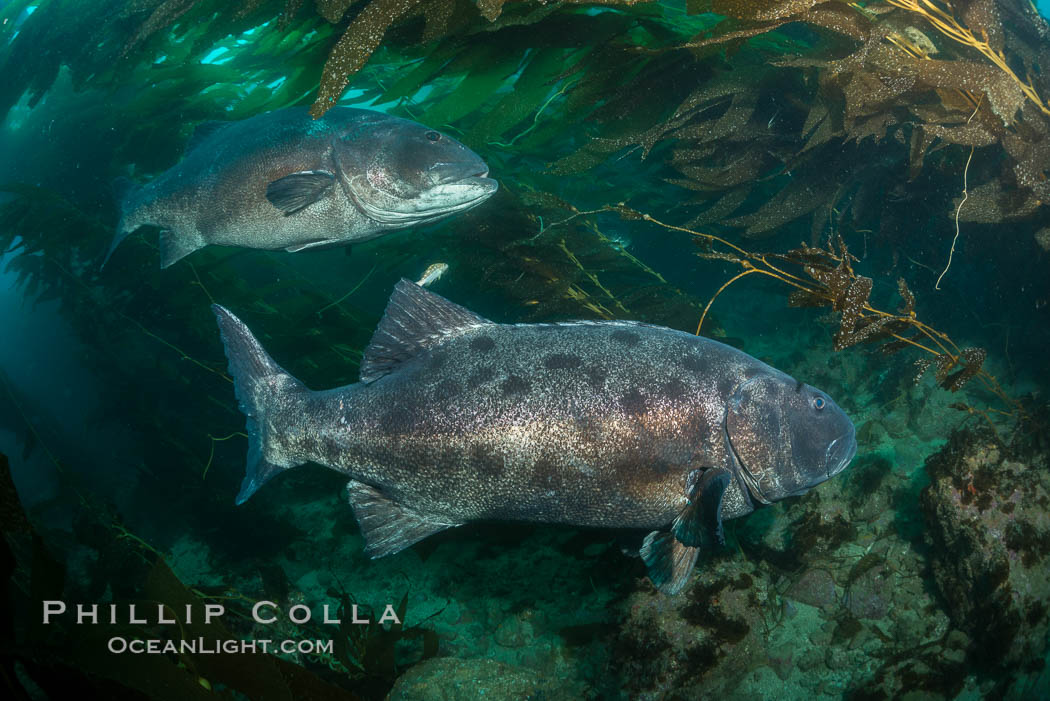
(759, 435)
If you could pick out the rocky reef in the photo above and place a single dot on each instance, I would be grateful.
(987, 515)
(937, 591)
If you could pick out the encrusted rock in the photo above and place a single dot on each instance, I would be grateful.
(700, 643)
(988, 524)
(453, 679)
(869, 593)
(815, 587)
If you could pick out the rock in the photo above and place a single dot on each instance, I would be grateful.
(815, 587)
(780, 661)
(514, 632)
(869, 593)
(836, 658)
(699, 644)
(453, 679)
(812, 657)
(987, 519)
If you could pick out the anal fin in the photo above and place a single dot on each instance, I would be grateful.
(176, 245)
(670, 562)
(388, 526)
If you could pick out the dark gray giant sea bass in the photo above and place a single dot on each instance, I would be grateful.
(283, 180)
(613, 424)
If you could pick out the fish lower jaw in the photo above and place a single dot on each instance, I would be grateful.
(400, 220)
(436, 203)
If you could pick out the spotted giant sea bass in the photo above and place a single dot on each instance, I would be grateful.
(283, 180)
(613, 424)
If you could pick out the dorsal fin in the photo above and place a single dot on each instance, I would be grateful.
(202, 131)
(415, 320)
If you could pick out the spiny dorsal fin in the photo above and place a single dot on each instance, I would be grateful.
(415, 320)
(387, 526)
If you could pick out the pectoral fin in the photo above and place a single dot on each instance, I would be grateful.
(388, 526)
(299, 190)
(670, 562)
(704, 511)
(671, 557)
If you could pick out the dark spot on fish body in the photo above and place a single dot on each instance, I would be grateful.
(482, 344)
(436, 360)
(674, 389)
(698, 427)
(726, 385)
(676, 452)
(694, 364)
(544, 466)
(546, 476)
(480, 377)
(588, 432)
(633, 402)
(446, 388)
(629, 468)
(562, 361)
(660, 467)
(596, 376)
(514, 385)
(401, 418)
(628, 338)
(484, 461)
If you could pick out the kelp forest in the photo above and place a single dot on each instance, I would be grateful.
(855, 192)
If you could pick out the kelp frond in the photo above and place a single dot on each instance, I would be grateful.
(824, 276)
(942, 19)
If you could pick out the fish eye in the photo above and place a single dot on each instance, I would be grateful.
(819, 403)
(432, 135)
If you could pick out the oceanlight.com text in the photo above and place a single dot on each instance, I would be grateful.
(201, 646)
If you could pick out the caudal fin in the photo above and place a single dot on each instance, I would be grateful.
(123, 189)
(177, 240)
(262, 388)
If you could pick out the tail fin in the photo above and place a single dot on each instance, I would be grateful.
(262, 388)
(123, 189)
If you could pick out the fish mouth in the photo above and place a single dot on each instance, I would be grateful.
(455, 196)
(841, 452)
(456, 192)
(444, 173)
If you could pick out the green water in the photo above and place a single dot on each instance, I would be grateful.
(646, 154)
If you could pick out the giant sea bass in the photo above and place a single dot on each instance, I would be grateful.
(283, 180)
(614, 424)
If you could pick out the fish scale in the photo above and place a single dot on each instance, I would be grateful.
(282, 180)
(610, 424)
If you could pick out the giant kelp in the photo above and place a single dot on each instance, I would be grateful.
(727, 128)
(750, 122)
(869, 72)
